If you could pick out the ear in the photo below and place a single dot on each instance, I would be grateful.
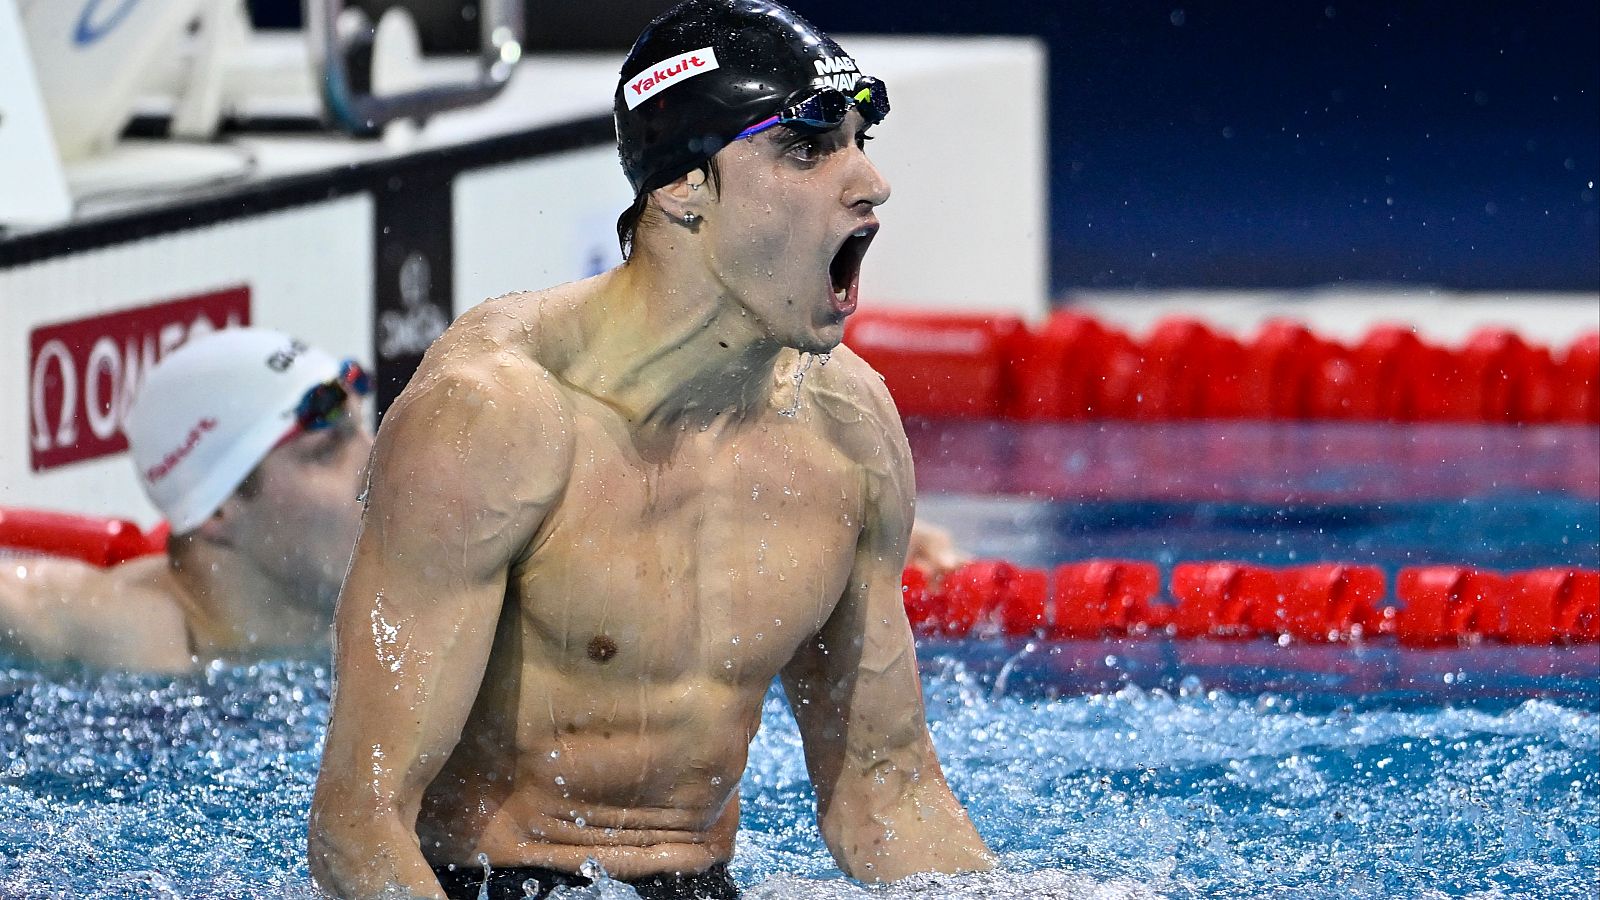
(222, 527)
(685, 195)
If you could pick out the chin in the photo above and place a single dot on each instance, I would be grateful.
(821, 343)
(822, 339)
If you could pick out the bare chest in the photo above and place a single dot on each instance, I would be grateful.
(713, 555)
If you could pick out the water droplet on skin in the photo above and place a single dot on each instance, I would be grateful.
(799, 378)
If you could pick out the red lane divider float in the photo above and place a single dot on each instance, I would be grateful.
(1075, 367)
(95, 540)
(1439, 606)
(1104, 597)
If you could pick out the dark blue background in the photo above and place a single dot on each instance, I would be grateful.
(1255, 143)
(1284, 144)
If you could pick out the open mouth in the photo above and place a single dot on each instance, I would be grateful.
(844, 272)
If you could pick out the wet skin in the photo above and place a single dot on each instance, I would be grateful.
(623, 692)
(602, 519)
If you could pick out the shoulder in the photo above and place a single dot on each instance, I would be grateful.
(482, 414)
(489, 369)
(854, 405)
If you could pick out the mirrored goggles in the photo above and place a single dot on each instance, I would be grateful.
(326, 403)
(825, 110)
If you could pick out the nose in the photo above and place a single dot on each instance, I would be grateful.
(873, 188)
(867, 187)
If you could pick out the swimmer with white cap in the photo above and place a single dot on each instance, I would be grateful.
(253, 446)
(603, 517)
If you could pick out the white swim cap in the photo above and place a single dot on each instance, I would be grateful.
(209, 412)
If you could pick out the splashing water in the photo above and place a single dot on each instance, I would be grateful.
(799, 377)
(133, 786)
(603, 888)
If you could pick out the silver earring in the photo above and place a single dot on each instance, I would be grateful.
(695, 185)
(691, 220)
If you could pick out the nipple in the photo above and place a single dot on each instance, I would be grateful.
(602, 648)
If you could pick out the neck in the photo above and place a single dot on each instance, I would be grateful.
(668, 345)
(235, 610)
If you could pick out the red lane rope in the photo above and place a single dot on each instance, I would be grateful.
(1322, 603)
(1439, 606)
(96, 540)
(1075, 367)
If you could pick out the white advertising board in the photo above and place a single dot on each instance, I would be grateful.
(307, 270)
(530, 225)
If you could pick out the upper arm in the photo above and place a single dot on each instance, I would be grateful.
(464, 469)
(26, 626)
(884, 807)
(854, 688)
(58, 610)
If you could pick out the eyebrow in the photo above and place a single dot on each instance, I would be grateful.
(792, 136)
(334, 435)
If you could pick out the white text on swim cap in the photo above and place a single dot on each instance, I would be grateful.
(833, 65)
(281, 360)
(665, 74)
(837, 72)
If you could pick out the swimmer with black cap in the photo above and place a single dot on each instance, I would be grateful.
(603, 517)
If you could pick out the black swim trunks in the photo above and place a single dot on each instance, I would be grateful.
(464, 883)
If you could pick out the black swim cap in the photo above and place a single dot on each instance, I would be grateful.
(707, 69)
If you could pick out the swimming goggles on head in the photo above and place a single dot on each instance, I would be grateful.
(325, 403)
(825, 109)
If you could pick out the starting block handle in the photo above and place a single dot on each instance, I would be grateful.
(365, 113)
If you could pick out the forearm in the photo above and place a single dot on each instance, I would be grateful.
(897, 824)
(360, 853)
(386, 742)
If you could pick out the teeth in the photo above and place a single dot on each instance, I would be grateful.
(862, 233)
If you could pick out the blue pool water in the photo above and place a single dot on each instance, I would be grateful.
(124, 786)
(1274, 493)
(1134, 768)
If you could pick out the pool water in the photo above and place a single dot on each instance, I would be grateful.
(131, 786)
(1133, 768)
(1531, 531)
(1273, 493)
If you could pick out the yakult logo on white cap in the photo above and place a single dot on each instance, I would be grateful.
(177, 455)
(665, 74)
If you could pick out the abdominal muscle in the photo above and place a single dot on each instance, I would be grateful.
(644, 779)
